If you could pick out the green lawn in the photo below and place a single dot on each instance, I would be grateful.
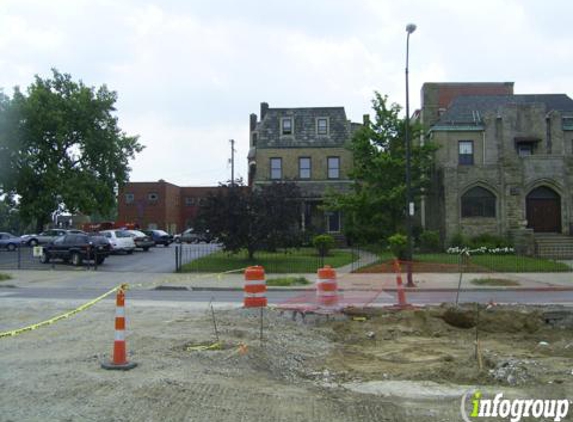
(303, 260)
(494, 282)
(487, 263)
(288, 281)
(5, 277)
(498, 263)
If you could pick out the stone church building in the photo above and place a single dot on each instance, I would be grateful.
(504, 164)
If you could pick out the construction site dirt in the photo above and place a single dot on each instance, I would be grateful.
(363, 365)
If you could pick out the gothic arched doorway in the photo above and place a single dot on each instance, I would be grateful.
(543, 208)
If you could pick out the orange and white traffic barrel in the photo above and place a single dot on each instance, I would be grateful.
(402, 303)
(326, 287)
(255, 288)
(119, 360)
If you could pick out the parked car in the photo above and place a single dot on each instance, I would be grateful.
(160, 237)
(76, 231)
(9, 241)
(141, 240)
(194, 236)
(120, 240)
(76, 248)
(45, 237)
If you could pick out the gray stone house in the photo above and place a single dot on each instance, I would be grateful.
(505, 163)
(307, 146)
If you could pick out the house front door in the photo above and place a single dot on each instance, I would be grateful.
(544, 210)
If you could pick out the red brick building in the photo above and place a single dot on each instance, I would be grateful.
(161, 205)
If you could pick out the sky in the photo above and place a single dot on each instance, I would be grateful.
(189, 73)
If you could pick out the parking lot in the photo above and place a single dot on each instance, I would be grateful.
(159, 259)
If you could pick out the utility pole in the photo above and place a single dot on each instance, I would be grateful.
(232, 141)
(410, 203)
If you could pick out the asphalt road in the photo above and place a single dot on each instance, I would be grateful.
(160, 259)
(277, 297)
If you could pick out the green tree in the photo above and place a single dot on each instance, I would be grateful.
(9, 218)
(376, 207)
(261, 219)
(61, 147)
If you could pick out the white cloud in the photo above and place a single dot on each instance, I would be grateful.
(188, 74)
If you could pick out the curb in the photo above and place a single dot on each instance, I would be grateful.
(391, 289)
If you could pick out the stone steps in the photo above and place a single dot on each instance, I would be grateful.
(555, 246)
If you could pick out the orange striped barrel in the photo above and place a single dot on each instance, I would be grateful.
(326, 287)
(255, 288)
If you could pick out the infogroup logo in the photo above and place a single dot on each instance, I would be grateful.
(514, 410)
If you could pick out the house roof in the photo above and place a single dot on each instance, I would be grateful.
(470, 109)
(304, 128)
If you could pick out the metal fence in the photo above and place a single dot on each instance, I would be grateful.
(553, 259)
(202, 258)
(23, 259)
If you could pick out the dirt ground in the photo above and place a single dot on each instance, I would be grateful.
(366, 366)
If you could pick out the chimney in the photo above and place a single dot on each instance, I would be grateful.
(264, 109)
(253, 122)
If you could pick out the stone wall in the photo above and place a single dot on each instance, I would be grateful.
(498, 168)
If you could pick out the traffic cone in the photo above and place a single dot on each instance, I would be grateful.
(400, 288)
(119, 360)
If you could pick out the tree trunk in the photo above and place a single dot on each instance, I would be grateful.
(40, 225)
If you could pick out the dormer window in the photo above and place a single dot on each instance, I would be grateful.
(286, 126)
(526, 146)
(322, 126)
(524, 150)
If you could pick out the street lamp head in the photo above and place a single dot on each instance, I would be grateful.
(410, 28)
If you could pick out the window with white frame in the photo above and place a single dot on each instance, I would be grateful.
(286, 126)
(153, 197)
(333, 164)
(276, 168)
(322, 126)
(304, 167)
(129, 198)
(466, 153)
(189, 201)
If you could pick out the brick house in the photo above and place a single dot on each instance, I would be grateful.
(505, 162)
(308, 146)
(161, 205)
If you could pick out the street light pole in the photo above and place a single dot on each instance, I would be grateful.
(410, 204)
(232, 141)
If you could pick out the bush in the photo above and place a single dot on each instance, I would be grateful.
(430, 241)
(323, 243)
(458, 240)
(489, 241)
(398, 244)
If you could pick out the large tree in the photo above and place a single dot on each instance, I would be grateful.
(61, 147)
(376, 207)
(241, 218)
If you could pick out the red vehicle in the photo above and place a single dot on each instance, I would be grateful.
(109, 225)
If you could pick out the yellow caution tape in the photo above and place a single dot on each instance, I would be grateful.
(359, 319)
(123, 287)
(59, 317)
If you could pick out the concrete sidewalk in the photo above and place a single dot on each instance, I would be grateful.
(385, 281)
(82, 279)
